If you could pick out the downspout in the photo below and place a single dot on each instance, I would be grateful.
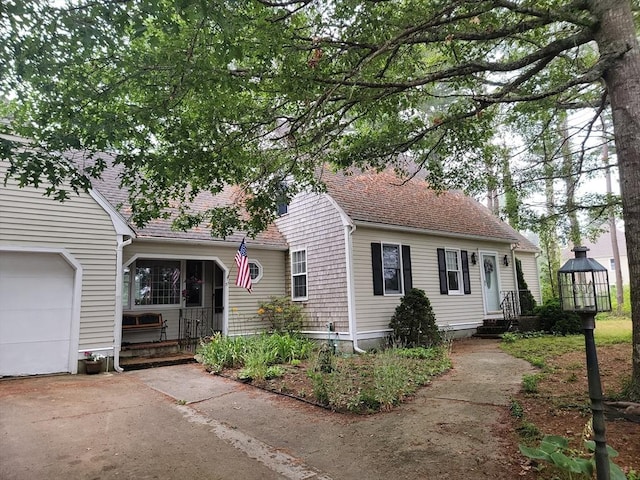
(351, 304)
(117, 334)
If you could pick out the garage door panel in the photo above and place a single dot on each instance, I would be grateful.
(36, 294)
(20, 292)
(13, 360)
(42, 325)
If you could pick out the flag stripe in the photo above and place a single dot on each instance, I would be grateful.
(242, 262)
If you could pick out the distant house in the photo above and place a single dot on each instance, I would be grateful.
(602, 251)
(78, 277)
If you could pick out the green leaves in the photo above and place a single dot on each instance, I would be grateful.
(555, 450)
(191, 95)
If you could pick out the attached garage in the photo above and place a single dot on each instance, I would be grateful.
(39, 316)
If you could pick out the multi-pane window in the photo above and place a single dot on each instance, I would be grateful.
(453, 271)
(157, 282)
(391, 268)
(299, 274)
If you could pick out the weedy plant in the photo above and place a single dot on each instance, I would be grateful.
(555, 451)
(256, 353)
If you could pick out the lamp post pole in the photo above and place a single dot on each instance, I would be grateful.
(595, 394)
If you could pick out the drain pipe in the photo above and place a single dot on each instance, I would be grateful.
(349, 228)
(117, 334)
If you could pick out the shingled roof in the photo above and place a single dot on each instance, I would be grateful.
(109, 187)
(387, 200)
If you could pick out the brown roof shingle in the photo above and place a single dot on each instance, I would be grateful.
(386, 199)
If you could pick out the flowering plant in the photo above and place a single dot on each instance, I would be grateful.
(93, 357)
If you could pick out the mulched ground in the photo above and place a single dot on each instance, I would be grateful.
(562, 405)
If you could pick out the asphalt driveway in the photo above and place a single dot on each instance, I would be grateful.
(182, 423)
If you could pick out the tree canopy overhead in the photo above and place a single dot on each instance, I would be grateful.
(189, 95)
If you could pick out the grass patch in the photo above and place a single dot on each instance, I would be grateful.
(537, 350)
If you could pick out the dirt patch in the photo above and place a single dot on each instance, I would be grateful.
(562, 405)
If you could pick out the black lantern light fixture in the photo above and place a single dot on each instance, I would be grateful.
(474, 258)
(505, 261)
(584, 289)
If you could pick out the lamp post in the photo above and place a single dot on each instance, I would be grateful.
(584, 289)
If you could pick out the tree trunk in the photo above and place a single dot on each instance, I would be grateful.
(570, 178)
(616, 37)
(613, 230)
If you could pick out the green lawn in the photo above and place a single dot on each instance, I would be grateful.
(538, 349)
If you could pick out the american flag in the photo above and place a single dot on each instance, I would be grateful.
(244, 276)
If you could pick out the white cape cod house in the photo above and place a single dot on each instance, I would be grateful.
(77, 277)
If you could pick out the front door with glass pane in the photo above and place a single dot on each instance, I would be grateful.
(491, 287)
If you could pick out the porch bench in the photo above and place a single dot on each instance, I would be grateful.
(144, 321)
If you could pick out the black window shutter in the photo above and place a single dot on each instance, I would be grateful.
(406, 268)
(442, 271)
(376, 266)
(466, 280)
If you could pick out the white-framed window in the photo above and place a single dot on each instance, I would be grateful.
(612, 264)
(454, 272)
(157, 282)
(392, 269)
(299, 274)
(255, 270)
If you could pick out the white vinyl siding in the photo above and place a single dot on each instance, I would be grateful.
(82, 227)
(314, 223)
(240, 306)
(452, 311)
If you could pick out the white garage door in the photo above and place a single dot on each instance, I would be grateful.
(36, 300)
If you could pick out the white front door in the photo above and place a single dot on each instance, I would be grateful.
(490, 282)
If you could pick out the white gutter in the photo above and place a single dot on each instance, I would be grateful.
(208, 243)
(117, 333)
(435, 233)
(349, 228)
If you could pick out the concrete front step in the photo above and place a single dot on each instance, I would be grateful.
(138, 363)
(150, 349)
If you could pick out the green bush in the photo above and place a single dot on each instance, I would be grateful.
(282, 314)
(414, 323)
(527, 301)
(554, 320)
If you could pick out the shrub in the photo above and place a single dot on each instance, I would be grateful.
(527, 301)
(414, 323)
(282, 314)
(554, 320)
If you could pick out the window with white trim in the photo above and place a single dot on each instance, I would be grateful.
(299, 274)
(255, 270)
(157, 282)
(391, 266)
(454, 273)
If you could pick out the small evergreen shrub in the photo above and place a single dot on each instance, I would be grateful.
(554, 320)
(414, 323)
(527, 302)
(282, 314)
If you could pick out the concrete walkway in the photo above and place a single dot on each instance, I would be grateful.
(180, 422)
